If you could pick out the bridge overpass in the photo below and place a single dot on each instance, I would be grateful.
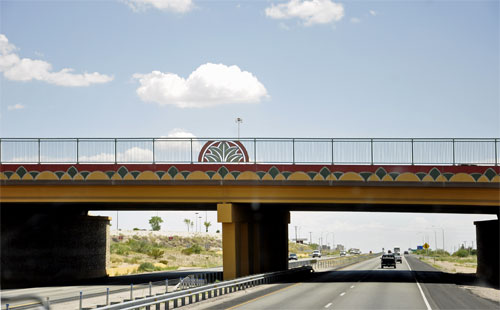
(49, 185)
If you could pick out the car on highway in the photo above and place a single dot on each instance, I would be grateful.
(398, 257)
(316, 253)
(406, 253)
(343, 253)
(388, 260)
(292, 256)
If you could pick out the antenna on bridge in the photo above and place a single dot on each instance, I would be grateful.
(239, 120)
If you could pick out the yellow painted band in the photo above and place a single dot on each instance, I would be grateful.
(250, 194)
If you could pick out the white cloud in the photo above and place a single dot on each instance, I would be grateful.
(17, 106)
(209, 85)
(311, 12)
(178, 6)
(355, 20)
(373, 13)
(25, 69)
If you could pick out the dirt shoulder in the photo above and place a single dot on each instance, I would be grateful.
(490, 293)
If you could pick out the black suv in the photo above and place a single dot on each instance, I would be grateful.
(388, 260)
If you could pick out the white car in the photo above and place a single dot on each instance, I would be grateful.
(316, 253)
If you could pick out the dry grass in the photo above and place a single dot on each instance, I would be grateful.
(129, 252)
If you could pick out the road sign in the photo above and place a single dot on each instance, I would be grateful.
(426, 245)
(420, 247)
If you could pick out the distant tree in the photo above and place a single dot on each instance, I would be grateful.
(188, 223)
(192, 225)
(155, 222)
(207, 224)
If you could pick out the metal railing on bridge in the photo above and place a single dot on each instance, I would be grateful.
(334, 151)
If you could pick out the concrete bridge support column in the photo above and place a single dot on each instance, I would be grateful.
(48, 246)
(253, 240)
(488, 248)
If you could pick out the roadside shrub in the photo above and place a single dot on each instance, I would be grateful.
(146, 267)
(461, 253)
(164, 262)
(156, 253)
(194, 249)
(119, 248)
(139, 246)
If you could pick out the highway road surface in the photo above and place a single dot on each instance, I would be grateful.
(412, 285)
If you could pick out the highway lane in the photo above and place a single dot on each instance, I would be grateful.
(367, 286)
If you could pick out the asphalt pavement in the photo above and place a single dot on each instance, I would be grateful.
(412, 285)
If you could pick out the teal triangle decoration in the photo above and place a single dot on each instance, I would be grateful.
(324, 172)
(223, 171)
(286, 174)
(381, 173)
(394, 175)
(338, 174)
(261, 174)
(110, 173)
(185, 173)
(34, 174)
(8, 174)
(365, 175)
(21, 171)
(235, 174)
(421, 175)
(72, 171)
(84, 174)
(160, 174)
(122, 172)
(312, 174)
(135, 174)
(448, 175)
(434, 173)
(172, 171)
(490, 174)
(274, 172)
(59, 174)
(210, 174)
(476, 176)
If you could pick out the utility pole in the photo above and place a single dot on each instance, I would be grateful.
(435, 240)
(117, 227)
(310, 237)
(296, 241)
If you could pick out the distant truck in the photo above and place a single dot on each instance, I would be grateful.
(397, 250)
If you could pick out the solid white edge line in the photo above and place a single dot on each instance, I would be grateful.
(420, 289)
(328, 305)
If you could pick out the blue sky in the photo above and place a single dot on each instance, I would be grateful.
(296, 68)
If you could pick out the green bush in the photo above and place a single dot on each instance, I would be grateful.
(147, 267)
(119, 248)
(164, 262)
(139, 246)
(194, 249)
(461, 253)
(156, 253)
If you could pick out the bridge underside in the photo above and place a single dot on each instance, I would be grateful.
(47, 235)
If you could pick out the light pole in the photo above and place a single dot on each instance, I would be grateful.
(196, 221)
(239, 120)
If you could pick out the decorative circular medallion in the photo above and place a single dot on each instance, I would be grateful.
(223, 152)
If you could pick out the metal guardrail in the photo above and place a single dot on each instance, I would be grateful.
(133, 291)
(182, 298)
(366, 151)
